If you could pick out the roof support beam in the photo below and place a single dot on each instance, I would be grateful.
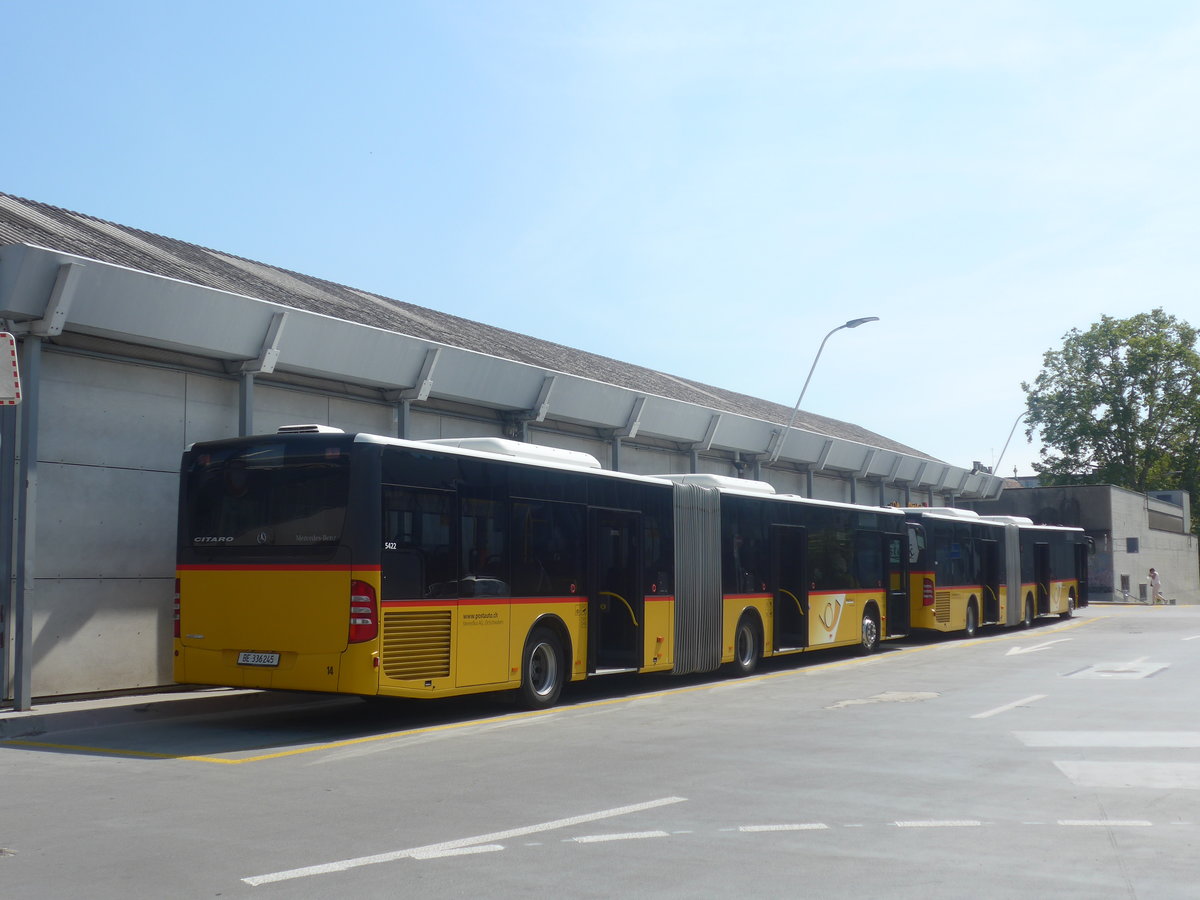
(634, 422)
(402, 400)
(826, 450)
(710, 434)
(58, 304)
(541, 406)
(895, 469)
(421, 390)
(867, 463)
(269, 354)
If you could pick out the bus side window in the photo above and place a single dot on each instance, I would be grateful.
(484, 552)
(417, 559)
(548, 542)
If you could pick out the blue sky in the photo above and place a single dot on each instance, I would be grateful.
(705, 188)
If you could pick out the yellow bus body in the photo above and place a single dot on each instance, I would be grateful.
(424, 649)
(434, 649)
(834, 620)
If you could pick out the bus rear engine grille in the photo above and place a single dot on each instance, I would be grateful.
(941, 607)
(416, 645)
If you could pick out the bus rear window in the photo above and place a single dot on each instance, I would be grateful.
(270, 494)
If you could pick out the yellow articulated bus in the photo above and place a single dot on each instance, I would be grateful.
(319, 561)
(967, 570)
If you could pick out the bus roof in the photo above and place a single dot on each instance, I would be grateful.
(722, 483)
(520, 450)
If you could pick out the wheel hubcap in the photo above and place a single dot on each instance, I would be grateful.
(870, 633)
(543, 669)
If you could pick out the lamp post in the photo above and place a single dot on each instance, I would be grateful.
(1011, 432)
(853, 323)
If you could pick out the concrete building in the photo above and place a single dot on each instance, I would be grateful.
(1132, 533)
(133, 345)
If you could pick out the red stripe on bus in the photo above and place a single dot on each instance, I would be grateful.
(264, 567)
(501, 601)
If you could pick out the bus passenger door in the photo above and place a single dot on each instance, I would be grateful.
(789, 586)
(895, 556)
(1041, 575)
(989, 574)
(616, 598)
(1081, 572)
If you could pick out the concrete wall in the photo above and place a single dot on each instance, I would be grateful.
(1172, 554)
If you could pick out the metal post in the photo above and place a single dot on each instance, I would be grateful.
(26, 525)
(246, 404)
(400, 418)
(808, 483)
(8, 463)
(616, 453)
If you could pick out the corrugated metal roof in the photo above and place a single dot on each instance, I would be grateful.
(29, 222)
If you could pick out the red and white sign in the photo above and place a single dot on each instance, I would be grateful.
(10, 375)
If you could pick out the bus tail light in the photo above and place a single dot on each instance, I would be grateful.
(927, 592)
(364, 613)
(176, 607)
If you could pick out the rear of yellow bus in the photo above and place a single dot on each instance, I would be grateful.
(269, 590)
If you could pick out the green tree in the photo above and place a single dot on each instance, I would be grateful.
(1120, 404)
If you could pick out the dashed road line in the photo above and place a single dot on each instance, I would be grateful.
(804, 826)
(626, 836)
(1105, 823)
(1008, 706)
(941, 823)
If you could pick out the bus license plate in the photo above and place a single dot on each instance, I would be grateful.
(258, 659)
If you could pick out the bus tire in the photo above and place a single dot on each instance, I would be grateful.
(972, 626)
(747, 646)
(543, 669)
(1027, 622)
(1070, 610)
(870, 631)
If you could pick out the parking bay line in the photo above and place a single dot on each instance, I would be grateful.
(434, 850)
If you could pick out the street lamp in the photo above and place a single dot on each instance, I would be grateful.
(1012, 431)
(853, 323)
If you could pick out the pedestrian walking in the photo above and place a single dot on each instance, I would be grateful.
(1156, 589)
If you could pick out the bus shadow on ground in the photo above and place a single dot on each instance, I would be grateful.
(317, 721)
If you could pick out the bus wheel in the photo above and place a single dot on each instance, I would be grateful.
(870, 631)
(1027, 622)
(543, 669)
(972, 621)
(747, 647)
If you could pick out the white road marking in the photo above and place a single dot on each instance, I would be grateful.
(1105, 823)
(1006, 707)
(941, 823)
(344, 864)
(1177, 740)
(461, 851)
(1035, 648)
(804, 826)
(1194, 637)
(1169, 776)
(888, 697)
(627, 836)
(1138, 668)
